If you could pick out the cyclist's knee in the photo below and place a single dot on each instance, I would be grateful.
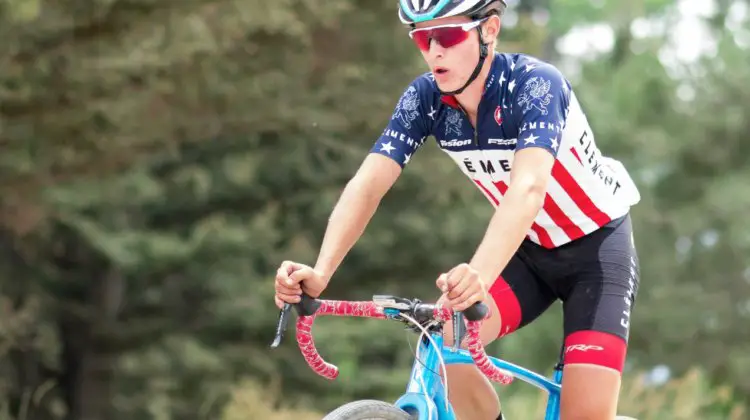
(591, 377)
(589, 392)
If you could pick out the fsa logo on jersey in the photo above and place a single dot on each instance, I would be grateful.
(503, 142)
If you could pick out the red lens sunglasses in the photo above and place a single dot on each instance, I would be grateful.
(445, 35)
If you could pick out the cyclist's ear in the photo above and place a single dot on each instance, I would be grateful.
(491, 28)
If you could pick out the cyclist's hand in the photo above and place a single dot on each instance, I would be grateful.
(293, 278)
(462, 287)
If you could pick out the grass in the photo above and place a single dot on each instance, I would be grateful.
(250, 401)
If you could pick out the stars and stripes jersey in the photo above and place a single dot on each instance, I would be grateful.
(526, 103)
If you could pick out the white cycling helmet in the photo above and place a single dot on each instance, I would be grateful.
(415, 11)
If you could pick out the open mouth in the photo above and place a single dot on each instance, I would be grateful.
(440, 70)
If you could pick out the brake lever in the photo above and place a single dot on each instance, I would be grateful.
(305, 307)
(281, 325)
(459, 329)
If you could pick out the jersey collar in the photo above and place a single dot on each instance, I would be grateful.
(451, 100)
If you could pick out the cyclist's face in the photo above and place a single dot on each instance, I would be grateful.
(452, 54)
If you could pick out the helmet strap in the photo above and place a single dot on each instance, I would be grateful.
(483, 53)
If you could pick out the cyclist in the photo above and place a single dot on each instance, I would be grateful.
(561, 228)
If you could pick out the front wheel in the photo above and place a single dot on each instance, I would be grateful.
(368, 410)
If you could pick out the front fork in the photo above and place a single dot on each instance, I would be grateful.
(424, 380)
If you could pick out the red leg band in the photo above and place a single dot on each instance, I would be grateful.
(595, 348)
(507, 304)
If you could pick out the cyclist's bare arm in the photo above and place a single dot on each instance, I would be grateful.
(508, 226)
(535, 155)
(355, 208)
(403, 135)
(350, 216)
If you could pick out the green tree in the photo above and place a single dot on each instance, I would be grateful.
(161, 158)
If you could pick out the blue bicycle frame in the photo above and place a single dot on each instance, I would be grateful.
(425, 394)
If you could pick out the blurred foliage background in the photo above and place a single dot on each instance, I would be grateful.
(160, 158)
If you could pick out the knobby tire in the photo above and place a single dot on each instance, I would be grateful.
(368, 410)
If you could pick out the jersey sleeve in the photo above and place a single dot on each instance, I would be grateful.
(540, 107)
(407, 129)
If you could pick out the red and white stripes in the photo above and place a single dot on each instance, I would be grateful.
(577, 201)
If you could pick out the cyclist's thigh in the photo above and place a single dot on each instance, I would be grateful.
(598, 304)
(519, 294)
